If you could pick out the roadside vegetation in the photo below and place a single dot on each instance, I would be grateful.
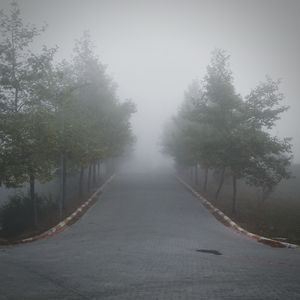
(224, 142)
(56, 118)
(277, 217)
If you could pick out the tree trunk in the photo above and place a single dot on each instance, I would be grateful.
(81, 176)
(205, 180)
(62, 185)
(16, 103)
(33, 200)
(94, 174)
(196, 175)
(234, 194)
(89, 177)
(99, 171)
(221, 182)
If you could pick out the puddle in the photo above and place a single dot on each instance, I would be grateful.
(214, 252)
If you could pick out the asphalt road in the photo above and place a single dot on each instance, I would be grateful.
(140, 241)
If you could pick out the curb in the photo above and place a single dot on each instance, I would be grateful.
(219, 215)
(67, 221)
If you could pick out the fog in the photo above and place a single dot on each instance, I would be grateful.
(154, 49)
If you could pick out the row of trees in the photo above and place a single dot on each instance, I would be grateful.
(220, 130)
(55, 116)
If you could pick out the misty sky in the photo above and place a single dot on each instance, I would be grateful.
(154, 49)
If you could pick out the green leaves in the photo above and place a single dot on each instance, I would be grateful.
(262, 105)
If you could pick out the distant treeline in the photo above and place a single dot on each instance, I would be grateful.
(218, 129)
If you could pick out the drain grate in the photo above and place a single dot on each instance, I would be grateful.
(215, 252)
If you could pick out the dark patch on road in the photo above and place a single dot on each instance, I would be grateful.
(215, 252)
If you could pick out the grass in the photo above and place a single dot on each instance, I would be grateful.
(277, 217)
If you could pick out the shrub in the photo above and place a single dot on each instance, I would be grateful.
(16, 216)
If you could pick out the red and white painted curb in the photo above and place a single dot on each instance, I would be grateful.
(63, 224)
(228, 222)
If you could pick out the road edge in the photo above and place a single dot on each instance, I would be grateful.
(75, 216)
(220, 216)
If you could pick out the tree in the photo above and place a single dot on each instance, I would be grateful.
(63, 116)
(104, 124)
(270, 157)
(219, 129)
(22, 147)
